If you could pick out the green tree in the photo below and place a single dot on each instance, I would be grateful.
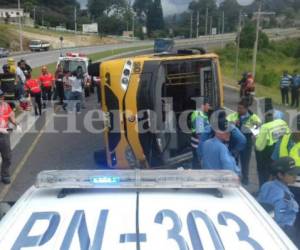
(248, 36)
(141, 7)
(231, 10)
(155, 20)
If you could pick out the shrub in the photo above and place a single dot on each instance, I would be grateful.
(248, 36)
(267, 77)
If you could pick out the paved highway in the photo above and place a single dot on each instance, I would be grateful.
(40, 149)
(37, 59)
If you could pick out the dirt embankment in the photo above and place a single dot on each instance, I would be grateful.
(10, 38)
(69, 40)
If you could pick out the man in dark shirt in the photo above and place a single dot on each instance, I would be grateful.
(8, 86)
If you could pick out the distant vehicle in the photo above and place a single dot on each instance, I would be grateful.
(39, 45)
(139, 209)
(4, 52)
(163, 45)
(70, 63)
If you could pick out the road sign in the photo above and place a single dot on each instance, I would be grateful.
(245, 2)
(90, 28)
(214, 31)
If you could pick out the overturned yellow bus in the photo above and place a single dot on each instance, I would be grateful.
(139, 94)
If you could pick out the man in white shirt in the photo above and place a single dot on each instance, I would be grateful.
(21, 79)
(76, 81)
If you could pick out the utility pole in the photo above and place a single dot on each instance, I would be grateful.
(133, 25)
(191, 28)
(34, 16)
(198, 22)
(210, 24)
(223, 22)
(257, 38)
(20, 26)
(206, 20)
(43, 17)
(223, 27)
(238, 45)
(75, 20)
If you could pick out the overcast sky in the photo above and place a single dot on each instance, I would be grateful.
(169, 6)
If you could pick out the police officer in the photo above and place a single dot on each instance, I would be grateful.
(216, 154)
(285, 84)
(245, 120)
(275, 195)
(295, 85)
(199, 123)
(270, 132)
(6, 115)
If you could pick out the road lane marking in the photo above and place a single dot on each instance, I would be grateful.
(21, 164)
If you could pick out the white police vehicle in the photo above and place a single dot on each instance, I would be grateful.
(139, 209)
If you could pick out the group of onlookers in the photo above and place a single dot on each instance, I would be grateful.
(18, 86)
(291, 84)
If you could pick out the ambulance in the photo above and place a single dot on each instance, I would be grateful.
(139, 209)
(71, 61)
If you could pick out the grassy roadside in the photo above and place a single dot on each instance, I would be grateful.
(95, 57)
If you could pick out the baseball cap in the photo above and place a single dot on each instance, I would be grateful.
(206, 100)
(285, 165)
(220, 123)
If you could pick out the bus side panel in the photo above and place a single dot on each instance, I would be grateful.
(221, 82)
(112, 96)
(132, 127)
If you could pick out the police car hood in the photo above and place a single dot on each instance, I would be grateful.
(139, 219)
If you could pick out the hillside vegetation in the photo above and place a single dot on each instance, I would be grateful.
(271, 61)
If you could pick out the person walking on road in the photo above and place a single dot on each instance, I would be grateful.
(244, 119)
(34, 90)
(46, 81)
(270, 133)
(295, 85)
(276, 196)
(59, 83)
(199, 124)
(216, 154)
(8, 85)
(76, 83)
(21, 79)
(285, 84)
(7, 116)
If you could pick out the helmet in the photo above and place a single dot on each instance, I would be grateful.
(10, 60)
(278, 115)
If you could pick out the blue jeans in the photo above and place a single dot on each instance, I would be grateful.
(76, 98)
(19, 90)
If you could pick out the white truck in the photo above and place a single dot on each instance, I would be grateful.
(139, 209)
(39, 45)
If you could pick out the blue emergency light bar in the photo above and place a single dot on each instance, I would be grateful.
(137, 179)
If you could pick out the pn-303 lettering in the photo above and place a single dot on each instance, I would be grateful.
(78, 226)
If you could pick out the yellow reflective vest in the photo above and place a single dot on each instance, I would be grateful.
(251, 121)
(294, 152)
(270, 133)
